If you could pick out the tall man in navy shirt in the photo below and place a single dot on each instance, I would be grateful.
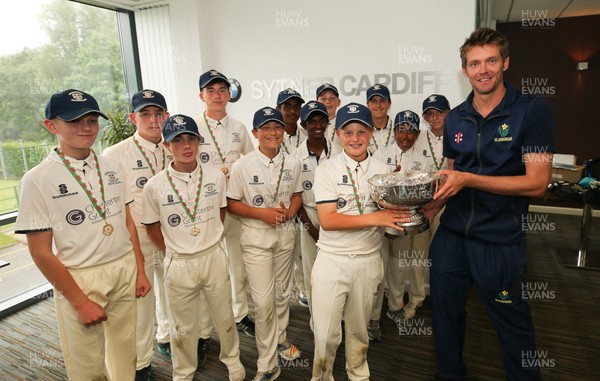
(499, 146)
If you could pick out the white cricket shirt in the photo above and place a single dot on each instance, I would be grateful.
(137, 168)
(412, 159)
(382, 137)
(291, 143)
(333, 185)
(51, 199)
(231, 136)
(161, 204)
(308, 163)
(253, 181)
(437, 143)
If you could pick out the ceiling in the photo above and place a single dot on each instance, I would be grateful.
(515, 10)
(125, 4)
(501, 10)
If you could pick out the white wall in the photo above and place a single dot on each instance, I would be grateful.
(157, 54)
(269, 45)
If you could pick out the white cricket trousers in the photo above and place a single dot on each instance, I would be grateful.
(268, 258)
(386, 246)
(185, 276)
(299, 283)
(232, 227)
(309, 249)
(343, 285)
(104, 351)
(145, 305)
(408, 261)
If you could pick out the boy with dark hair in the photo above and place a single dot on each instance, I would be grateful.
(314, 151)
(379, 103)
(184, 208)
(223, 140)
(329, 95)
(407, 253)
(265, 192)
(142, 156)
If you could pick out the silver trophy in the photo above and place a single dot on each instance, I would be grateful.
(406, 191)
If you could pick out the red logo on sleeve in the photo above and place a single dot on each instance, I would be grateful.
(458, 137)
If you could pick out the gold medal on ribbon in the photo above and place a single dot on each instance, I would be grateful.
(107, 229)
(194, 231)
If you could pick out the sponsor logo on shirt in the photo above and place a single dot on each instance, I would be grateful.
(210, 189)
(75, 217)
(64, 192)
(174, 220)
(112, 178)
(258, 200)
(140, 182)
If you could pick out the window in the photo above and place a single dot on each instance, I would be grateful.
(49, 46)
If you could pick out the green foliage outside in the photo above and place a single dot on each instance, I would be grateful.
(83, 52)
(9, 195)
(18, 157)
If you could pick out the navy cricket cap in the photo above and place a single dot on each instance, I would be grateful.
(211, 76)
(72, 104)
(409, 117)
(327, 86)
(288, 94)
(178, 124)
(311, 108)
(436, 101)
(353, 112)
(147, 98)
(380, 90)
(267, 114)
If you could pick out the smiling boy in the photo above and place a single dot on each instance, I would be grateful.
(265, 192)
(348, 269)
(76, 202)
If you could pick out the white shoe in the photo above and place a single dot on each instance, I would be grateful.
(409, 311)
(236, 372)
